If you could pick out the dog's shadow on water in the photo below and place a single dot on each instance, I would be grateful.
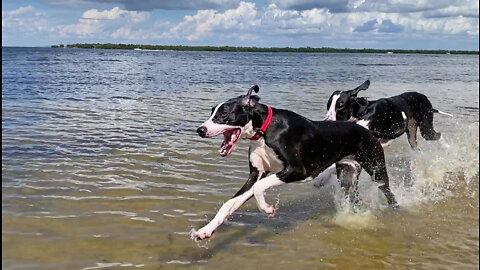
(290, 214)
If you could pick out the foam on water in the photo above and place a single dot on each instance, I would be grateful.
(356, 219)
(441, 167)
(434, 173)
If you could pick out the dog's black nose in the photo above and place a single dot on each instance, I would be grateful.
(202, 131)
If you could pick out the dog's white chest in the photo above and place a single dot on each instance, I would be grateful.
(264, 158)
(363, 123)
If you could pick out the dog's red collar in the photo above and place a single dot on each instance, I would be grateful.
(264, 126)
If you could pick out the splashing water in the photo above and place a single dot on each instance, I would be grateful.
(440, 168)
(444, 168)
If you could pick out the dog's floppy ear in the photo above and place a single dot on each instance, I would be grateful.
(253, 100)
(250, 100)
(253, 88)
(359, 105)
(363, 86)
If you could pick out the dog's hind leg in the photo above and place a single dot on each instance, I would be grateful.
(380, 176)
(348, 172)
(412, 133)
(426, 128)
(373, 162)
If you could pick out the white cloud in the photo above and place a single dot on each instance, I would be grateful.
(148, 5)
(367, 22)
(332, 5)
(402, 6)
(207, 22)
(94, 22)
(247, 21)
(467, 9)
(292, 21)
(26, 20)
(116, 13)
(22, 10)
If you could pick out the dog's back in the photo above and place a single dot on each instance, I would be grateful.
(384, 115)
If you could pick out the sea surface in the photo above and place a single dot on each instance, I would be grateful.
(102, 167)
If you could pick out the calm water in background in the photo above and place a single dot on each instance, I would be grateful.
(102, 168)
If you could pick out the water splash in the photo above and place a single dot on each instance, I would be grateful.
(356, 220)
(441, 169)
(200, 243)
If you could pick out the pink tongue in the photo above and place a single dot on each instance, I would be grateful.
(227, 146)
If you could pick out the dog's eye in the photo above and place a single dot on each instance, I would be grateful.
(224, 114)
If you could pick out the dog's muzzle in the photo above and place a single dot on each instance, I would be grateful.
(202, 131)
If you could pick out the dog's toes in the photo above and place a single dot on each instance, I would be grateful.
(203, 235)
(271, 210)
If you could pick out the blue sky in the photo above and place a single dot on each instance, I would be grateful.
(385, 24)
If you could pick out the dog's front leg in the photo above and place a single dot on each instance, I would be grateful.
(245, 193)
(226, 210)
(291, 173)
(259, 189)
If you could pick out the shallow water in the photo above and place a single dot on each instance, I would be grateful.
(102, 168)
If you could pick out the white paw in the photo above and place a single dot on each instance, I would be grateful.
(202, 234)
(270, 210)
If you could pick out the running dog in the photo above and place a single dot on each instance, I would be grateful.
(386, 117)
(286, 147)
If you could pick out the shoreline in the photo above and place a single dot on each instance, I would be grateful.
(139, 47)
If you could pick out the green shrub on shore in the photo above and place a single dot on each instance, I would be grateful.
(111, 46)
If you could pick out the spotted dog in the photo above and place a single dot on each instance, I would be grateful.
(286, 147)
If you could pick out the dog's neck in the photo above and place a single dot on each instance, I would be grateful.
(257, 115)
(359, 107)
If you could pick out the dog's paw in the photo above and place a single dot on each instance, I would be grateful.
(271, 210)
(201, 234)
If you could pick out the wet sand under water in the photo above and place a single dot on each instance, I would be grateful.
(436, 227)
(101, 166)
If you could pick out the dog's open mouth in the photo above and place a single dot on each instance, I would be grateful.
(231, 137)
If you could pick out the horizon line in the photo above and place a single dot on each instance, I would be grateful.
(228, 46)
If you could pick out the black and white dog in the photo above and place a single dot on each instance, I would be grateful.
(386, 117)
(286, 147)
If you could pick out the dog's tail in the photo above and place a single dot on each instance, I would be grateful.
(393, 135)
(440, 112)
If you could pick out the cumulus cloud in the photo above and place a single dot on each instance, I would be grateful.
(206, 22)
(149, 5)
(332, 5)
(25, 19)
(404, 6)
(95, 22)
(385, 26)
(468, 9)
(248, 19)
(286, 22)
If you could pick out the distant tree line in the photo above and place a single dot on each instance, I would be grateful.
(251, 49)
